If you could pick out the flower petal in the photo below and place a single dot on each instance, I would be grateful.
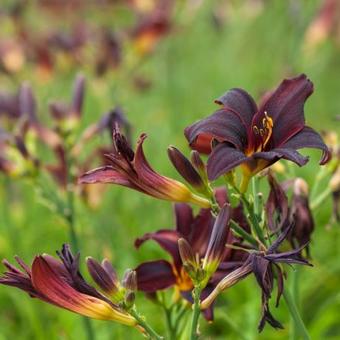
(167, 239)
(105, 174)
(224, 125)
(223, 159)
(308, 138)
(50, 284)
(184, 218)
(155, 275)
(241, 102)
(278, 153)
(285, 107)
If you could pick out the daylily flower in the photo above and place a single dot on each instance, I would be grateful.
(263, 264)
(242, 134)
(61, 284)
(131, 169)
(200, 233)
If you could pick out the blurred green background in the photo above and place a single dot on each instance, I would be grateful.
(211, 47)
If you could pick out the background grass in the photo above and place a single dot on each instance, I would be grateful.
(189, 69)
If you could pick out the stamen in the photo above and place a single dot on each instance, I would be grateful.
(265, 132)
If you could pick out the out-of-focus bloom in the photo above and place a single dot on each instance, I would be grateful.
(151, 27)
(131, 169)
(61, 284)
(325, 25)
(241, 134)
(263, 265)
(188, 244)
(68, 115)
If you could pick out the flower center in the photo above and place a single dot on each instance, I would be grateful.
(183, 281)
(263, 133)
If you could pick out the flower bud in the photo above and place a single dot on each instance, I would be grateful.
(104, 275)
(188, 258)
(218, 240)
(129, 281)
(199, 165)
(185, 168)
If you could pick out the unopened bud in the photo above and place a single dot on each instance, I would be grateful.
(185, 168)
(129, 281)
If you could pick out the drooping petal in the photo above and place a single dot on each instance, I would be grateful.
(46, 281)
(155, 275)
(286, 108)
(308, 138)
(241, 102)
(223, 159)
(167, 239)
(224, 125)
(278, 153)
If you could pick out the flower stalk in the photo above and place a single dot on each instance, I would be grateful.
(299, 324)
(196, 293)
(150, 332)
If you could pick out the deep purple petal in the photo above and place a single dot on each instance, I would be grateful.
(241, 102)
(224, 125)
(167, 239)
(155, 275)
(279, 153)
(184, 218)
(285, 107)
(308, 138)
(223, 159)
(201, 231)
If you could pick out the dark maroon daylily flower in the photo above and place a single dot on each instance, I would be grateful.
(61, 284)
(131, 169)
(257, 137)
(197, 232)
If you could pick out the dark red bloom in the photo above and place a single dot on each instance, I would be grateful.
(132, 170)
(197, 232)
(257, 137)
(61, 284)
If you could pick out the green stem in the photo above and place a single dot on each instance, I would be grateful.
(196, 293)
(320, 199)
(254, 223)
(170, 326)
(151, 333)
(300, 326)
(295, 296)
(241, 232)
(70, 217)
